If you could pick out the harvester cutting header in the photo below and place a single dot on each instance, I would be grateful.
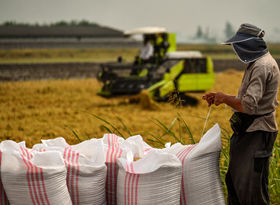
(163, 72)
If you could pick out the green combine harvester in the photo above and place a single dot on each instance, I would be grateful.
(167, 72)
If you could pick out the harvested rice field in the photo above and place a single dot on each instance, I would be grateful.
(48, 109)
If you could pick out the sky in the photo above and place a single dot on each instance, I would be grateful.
(180, 16)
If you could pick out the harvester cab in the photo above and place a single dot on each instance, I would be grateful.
(165, 72)
(161, 41)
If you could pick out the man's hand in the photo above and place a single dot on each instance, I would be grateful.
(214, 98)
(220, 97)
(209, 97)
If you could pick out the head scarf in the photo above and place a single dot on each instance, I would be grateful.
(248, 43)
(250, 50)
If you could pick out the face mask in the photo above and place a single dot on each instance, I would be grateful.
(250, 50)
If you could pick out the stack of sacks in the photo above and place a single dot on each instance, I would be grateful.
(201, 183)
(56, 173)
(154, 179)
(31, 177)
(86, 169)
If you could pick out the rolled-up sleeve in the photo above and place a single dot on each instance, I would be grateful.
(255, 90)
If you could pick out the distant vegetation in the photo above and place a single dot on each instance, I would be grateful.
(111, 54)
(204, 34)
(59, 23)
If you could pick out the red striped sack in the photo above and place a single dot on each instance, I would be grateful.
(117, 147)
(31, 177)
(154, 179)
(201, 183)
(86, 170)
(114, 149)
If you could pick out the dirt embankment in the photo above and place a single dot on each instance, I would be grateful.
(42, 71)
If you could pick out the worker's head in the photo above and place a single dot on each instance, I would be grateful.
(248, 43)
(146, 40)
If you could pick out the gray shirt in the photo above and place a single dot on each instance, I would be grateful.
(258, 93)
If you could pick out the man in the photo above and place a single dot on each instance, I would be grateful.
(145, 55)
(253, 122)
(146, 51)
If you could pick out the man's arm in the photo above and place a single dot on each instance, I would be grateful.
(219, 98)
(248, 103)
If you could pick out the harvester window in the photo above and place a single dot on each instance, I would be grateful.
(195, 65)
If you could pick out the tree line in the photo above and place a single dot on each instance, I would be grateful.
(201, 34)
(205, 35)
(58, 23)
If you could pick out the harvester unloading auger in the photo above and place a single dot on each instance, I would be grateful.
(167, 72)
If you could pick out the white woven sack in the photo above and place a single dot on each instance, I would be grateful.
(154, 179)
(86, 169)
(137, 146)
(57, 142)
(33, 177)
(201, 183)
(3, 197)
(114, 149)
